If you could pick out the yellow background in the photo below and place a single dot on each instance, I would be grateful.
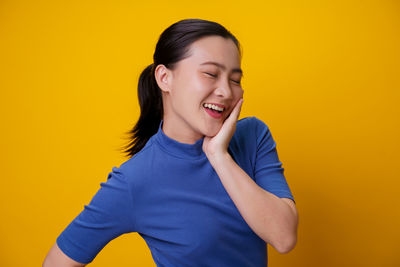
(324, 75)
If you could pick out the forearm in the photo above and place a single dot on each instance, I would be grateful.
(268, 216)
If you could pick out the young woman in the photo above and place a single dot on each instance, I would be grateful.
(201, 187)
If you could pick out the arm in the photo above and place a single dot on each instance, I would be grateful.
(56, 258)
(272, 218)
(108, 215)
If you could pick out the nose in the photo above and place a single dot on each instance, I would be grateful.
(224, 89)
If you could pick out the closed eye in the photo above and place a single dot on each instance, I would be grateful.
(238, 82)
(212, 75)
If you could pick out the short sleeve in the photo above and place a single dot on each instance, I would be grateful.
(107, 216)
(268, 169)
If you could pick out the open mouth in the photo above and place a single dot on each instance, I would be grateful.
(214, 108)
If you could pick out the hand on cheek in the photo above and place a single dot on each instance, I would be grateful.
(218, 144)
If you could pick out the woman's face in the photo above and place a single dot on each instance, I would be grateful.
(210, 75)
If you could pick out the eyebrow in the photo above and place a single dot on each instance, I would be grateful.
(222, 66)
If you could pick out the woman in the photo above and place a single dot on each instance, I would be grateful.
(201, 187)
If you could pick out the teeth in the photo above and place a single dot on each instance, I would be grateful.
(213, 107)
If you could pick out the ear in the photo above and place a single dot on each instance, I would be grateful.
(163, 77)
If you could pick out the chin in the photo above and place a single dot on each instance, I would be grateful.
(212, 131)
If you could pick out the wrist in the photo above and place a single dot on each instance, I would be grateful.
(217, 158)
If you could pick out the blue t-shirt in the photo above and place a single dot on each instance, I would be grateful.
(170, 194)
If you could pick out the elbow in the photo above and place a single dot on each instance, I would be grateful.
(286, 245)
(288, 241)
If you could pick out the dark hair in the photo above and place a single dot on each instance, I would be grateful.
(172, 46)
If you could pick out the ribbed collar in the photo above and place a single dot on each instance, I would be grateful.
(179, 149)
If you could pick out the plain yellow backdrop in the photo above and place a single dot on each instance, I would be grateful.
(323, 75)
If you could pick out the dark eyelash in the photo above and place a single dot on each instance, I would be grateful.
(214, 75)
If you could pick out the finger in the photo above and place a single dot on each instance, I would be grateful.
(233, 116)
(236, 110)
(240, 108)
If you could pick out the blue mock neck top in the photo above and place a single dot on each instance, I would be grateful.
(178, 149)
(172, 197)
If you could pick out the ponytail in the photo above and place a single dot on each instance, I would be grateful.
(151, 111)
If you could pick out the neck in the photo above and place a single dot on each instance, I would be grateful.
(180, 131)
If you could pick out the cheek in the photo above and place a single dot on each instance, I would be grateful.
(201, 85)
(239, 93)
(189, 94)
(198, 90)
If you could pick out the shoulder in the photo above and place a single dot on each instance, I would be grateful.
(251, 126)
(251, 133)
(253, 121)
(248, 132)
(245, 142)
(136, 166)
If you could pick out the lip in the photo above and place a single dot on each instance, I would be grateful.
(215, 115)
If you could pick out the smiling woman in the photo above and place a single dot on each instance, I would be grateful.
(201, 187)
(193, 82)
